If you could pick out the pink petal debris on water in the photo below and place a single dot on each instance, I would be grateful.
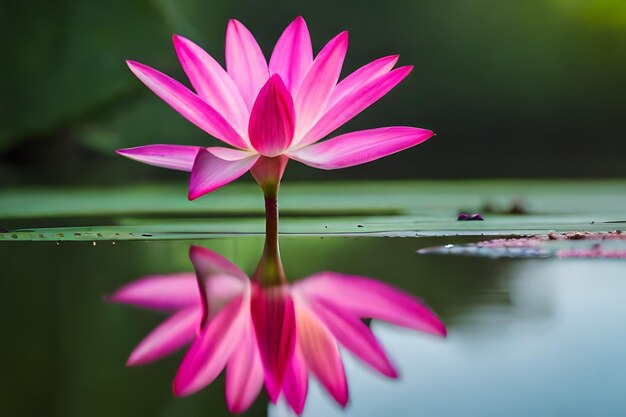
(534, 241)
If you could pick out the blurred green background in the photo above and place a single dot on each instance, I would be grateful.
(526, 88)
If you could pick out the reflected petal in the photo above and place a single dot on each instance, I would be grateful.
(160, 292)
(321, 353)
(244, 374)
(366, 297)
(210, 352)
(219, 280)
(296, 384)
(274, 323)
(355, 336)
(171, 335)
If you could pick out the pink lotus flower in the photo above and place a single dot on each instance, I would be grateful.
(273, 336)
(272, 113)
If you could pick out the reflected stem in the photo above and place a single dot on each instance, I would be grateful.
(269, 271)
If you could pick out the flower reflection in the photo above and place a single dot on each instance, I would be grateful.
(271, 336)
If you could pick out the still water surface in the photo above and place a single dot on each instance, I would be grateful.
(540, 337)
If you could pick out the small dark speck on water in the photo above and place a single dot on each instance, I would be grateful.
(325, 227)
(99, 234)
(359, 225)
(41, 235)
(77, 234)
(60, 234)
(14, 236)
(465, 217)
(146, 235)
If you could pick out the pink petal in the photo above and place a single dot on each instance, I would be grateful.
(160, 292)
(296, 382)
(177, 157)
(229, 154)
(319, 82)
(272, 119)
(244, 375)
(321, 353)
(189, 105)
(210, 352)
(366, 297)
(292, 54)
(245, 62)
(355, 336)
(211, 172)
(219, 280)
(362, 76)
(274, 323)
(353, 103)
(212, 83)
(357, 148)
(168, 337)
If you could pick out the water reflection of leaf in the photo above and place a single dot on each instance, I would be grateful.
(269, 336)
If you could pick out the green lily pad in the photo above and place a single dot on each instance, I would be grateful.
(404, 208)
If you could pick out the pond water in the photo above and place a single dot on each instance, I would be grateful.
(540, 337)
